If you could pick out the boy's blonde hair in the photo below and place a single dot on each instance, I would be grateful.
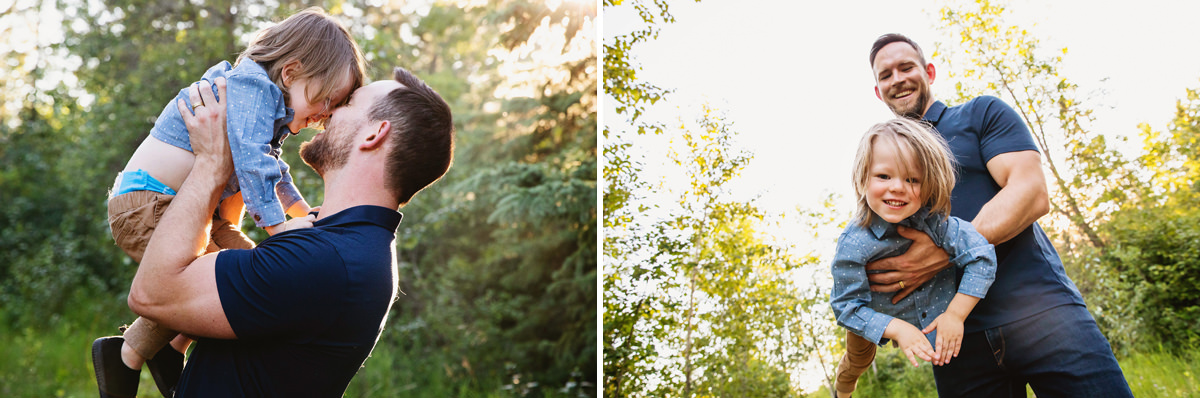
(913, 141)
(323, 46)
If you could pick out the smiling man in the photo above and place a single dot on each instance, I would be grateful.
(298, 314)
(1032, 328)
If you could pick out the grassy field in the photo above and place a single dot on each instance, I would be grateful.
(55, 361)
(1150, 374)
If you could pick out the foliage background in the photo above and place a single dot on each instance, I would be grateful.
(676, 288)
(497, 261)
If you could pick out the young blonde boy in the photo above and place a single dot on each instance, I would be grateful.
(903, 175)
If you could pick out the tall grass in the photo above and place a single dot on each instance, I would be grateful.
(1150, 373)
(53, 359)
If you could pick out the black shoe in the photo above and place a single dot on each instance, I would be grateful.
(112, 376)
(166, 366)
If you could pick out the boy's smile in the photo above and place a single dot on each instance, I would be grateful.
(894, 185)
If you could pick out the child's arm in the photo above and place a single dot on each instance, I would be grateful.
(949, 326)
(977, 257)
(299, 209)
(295, 223)
(851, 294)
(255, 103)
(911, 340)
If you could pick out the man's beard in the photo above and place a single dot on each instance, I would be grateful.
(917, 110)
(329, 152)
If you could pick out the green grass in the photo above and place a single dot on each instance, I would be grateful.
(1152, 373)
(54, 360)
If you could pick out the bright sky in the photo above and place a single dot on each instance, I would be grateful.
(794, 79)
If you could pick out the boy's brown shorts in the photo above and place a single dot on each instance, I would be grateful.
(134, 215)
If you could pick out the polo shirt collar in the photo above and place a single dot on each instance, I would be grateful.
(879, 227)
(934, 114)
(376, 215)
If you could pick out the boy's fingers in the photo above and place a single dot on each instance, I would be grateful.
(911, 359)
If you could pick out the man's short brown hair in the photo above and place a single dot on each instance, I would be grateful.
(421, 136)
(892, 38)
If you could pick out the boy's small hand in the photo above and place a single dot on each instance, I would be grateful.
(912, 342)
(949, 337)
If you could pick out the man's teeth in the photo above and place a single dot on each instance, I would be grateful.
(902, 94)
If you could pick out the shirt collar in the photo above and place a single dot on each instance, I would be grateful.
(934, 114)
(381, 216)
(879, 227)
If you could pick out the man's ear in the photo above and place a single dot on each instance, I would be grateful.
(877, 93)
(290, 71)
(378, 137)
(930, 72)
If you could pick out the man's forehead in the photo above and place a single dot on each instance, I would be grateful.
(898, 50)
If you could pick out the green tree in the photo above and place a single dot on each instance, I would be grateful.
(632, 321)
(1155, 251)
(992, 57)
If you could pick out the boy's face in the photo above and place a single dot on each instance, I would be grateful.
(893, 187)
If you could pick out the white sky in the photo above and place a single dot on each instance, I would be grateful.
(793, 78)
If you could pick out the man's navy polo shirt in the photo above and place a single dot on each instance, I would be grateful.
(1029, 276)
(307, 306)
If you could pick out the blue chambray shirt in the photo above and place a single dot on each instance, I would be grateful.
(868, 313)
(256, 119)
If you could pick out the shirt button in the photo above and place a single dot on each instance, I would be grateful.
(923, 314)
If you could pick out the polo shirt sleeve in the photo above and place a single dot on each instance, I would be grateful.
(287, 286)
(1001, 128)
(253, 105)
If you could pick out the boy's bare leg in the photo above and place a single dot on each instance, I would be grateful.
(859, 354)
(180, 343)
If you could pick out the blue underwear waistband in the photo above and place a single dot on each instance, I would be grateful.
(139, 180)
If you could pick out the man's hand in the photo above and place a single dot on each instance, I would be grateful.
(206, 129)
(176, 284)
(916, 266)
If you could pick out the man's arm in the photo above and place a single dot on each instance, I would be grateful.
(1022, 198)
(174, 285)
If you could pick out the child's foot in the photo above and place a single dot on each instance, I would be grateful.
(112, 376)
(166, 367)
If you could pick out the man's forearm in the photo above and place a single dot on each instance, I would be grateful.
(1023, 196)
(181, 235)
(1012, 210)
